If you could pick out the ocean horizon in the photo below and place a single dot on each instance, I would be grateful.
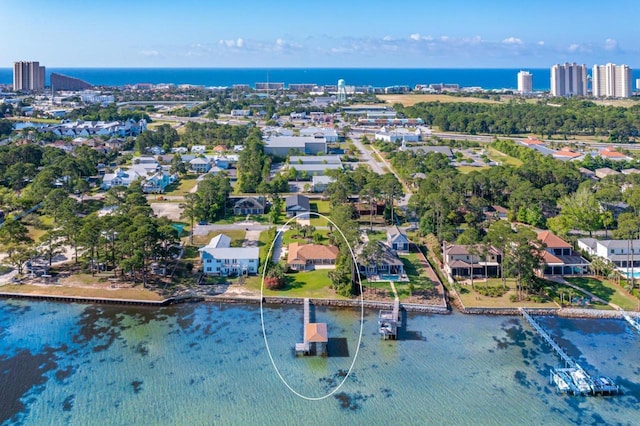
(487, 78)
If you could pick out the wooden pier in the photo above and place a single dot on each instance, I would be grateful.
(312, 333)
(390, 321)
(573, 378)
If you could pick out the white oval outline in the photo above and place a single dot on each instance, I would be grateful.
(264, 333)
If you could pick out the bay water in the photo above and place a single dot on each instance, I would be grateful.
(207, 363)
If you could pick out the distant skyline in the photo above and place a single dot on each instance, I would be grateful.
(501, 34)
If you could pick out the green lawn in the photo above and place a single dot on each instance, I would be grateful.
(184, 185)
(236, 235)
(472, 298)
(469, 169)
(264, 243)
(505, 159)
(606, 290)
(292, 236)
(314, 284)
(320, 206)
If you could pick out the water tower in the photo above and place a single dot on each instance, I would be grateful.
(342, 91)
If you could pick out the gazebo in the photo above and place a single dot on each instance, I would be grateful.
(316, 332)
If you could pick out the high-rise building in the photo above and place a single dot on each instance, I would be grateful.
(64, 82)
(569, 80)
(525, 82)
(28, 76)
(611, 81)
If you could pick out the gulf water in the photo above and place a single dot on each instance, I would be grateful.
(208, 364)
(494, 78)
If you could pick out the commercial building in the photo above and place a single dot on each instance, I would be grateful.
(611, 81)
(525, 82)
(569, 80)
(28, 76)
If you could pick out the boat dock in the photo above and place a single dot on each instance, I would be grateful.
(390, 321)
(572, 378)
(635, 323)
(312, 333)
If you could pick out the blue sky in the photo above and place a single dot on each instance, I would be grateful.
(326, 33)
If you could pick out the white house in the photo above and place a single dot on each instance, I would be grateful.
(198, 149)
(219, 258)
(200, 165)
(397, 239)
(624, 254)
(120, 177)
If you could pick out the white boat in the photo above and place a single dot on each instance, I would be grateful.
(560, 382)
(580, 380)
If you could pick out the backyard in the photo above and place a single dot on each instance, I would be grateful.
(607, 291)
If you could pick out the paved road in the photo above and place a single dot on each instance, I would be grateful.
(366, 155)
(380, 167)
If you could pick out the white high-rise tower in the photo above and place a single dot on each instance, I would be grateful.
(611, 81)
(569, 80)
(525, 82)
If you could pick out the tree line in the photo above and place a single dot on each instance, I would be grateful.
(556, 117)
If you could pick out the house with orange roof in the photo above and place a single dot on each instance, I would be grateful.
(566, 154)
(559, 257)
(611, 153)
(306, 257)
(532, 140)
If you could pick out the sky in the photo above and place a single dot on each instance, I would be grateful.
(325, 33)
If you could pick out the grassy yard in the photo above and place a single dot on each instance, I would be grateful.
(505, 159)
(137, 293)
(315, 284)
(291, 236)
(472, 298)
(320, 206)
(468, 169)
(606, 290)
(183, 186)
(236, 235)
(409, 100)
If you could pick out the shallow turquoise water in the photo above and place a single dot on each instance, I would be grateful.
(207, 364)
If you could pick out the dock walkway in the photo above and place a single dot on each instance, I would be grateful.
(573, 378)
(304, 347)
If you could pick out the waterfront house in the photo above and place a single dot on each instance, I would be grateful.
(382, 261)
(219, 258)
(249, 205)
(464, 260)
(623, 254)
(297, 205)
(304, 257)
(397, 239)
(559, 257)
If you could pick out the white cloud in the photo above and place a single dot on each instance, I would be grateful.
(610, 44)
(150, 53)
(573, 47)
(512, 40)
(540, 43)
(415, 37)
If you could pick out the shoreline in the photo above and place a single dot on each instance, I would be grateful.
(368, 304)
